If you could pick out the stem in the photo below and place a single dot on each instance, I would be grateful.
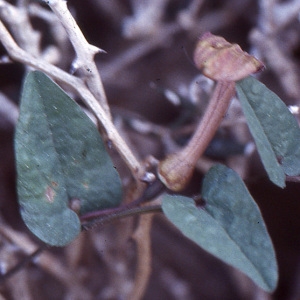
(78, 85)
(176, 169)
(142, 238)
(208, 126)
(150, 193)
(109, 218)
(85, 52)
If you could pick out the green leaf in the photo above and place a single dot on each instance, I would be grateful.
(230, 226)
(273, 127)
(60, 159)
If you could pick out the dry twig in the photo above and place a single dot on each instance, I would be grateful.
(143, 243)
(76, 84)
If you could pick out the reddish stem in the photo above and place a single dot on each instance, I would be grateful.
(176, 170)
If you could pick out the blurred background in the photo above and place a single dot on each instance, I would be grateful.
(157, 96)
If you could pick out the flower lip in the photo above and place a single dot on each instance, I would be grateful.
(222, 61)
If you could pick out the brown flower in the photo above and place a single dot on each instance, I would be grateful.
(222, 61)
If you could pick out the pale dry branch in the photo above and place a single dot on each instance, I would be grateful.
(284, 68)
(20, 26)
(146, 19)
(85, 52)
(8, 110)
(75, 252)
(78, 85)
(112, 248)
(48, 262)
(286, 12)
(187, 17)
(58, 32)
(219, 18)
(142, 239)
(177, 287)
(25, 35)
(267, 40)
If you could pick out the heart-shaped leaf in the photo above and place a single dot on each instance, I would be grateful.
(230, 226)
(61, 163)
(273, 127)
